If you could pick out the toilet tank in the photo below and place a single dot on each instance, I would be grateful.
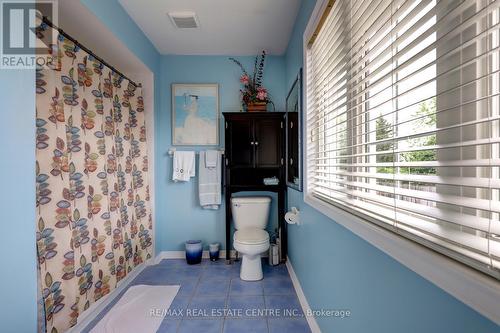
(250, 212)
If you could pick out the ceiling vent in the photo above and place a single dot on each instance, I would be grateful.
(184, 20)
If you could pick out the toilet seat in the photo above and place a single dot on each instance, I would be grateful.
(251, 236)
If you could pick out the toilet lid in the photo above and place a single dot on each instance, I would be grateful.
(251, 236)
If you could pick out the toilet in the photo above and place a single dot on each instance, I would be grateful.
(250, 215)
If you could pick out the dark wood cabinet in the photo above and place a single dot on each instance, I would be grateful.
(254, 145)
(239, 133)
(254, 140)
(268, 143)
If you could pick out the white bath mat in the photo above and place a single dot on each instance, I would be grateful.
(141, 309)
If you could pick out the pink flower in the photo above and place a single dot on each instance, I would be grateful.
(244, 79)
(262, 94)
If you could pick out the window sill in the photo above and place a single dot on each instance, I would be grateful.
(477, 290)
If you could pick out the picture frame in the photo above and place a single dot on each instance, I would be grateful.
(195, 114)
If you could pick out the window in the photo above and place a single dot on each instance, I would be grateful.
(403, 121)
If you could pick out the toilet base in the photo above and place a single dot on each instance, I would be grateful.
(251, 268)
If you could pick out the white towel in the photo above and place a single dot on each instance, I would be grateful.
(271, 181)
(183, 166)
(211, 158)
(209, 183)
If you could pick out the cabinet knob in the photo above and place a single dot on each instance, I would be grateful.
(256, 143)
(252, 143)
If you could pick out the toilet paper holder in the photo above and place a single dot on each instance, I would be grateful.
(293, 216)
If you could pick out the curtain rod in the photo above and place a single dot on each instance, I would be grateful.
(321, 22)
(62, 32)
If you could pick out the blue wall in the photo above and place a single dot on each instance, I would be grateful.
(349, 273)
(17, 212)
(178, 214)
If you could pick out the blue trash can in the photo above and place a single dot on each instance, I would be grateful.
(194, 250)
(214, 251)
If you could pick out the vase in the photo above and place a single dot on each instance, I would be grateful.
(193, 252)
(257, 106)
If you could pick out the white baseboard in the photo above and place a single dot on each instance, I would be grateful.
(313, 324)
(182, 255)
(93, 311)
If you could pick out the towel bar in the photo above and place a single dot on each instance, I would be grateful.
(171, 151)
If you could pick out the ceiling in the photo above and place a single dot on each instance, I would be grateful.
(227, 27)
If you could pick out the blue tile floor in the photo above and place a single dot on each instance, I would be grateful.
(212, 298)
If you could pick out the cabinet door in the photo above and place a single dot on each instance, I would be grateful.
(240, 141)
(268, 142)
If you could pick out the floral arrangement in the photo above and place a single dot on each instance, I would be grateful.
(253, 93)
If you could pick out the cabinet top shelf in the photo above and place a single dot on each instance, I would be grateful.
(259, 114)
(255, 187)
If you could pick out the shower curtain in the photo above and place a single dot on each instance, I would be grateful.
(93, 216)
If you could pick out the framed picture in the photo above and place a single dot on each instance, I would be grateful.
(195, 114)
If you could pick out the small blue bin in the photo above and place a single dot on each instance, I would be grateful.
(194, 250)
(213, 249)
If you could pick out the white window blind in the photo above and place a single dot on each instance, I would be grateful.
(403, 121)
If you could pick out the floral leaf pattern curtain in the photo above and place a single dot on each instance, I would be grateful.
(94, 221)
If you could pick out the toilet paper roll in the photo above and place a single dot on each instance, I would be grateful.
(291, 218)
